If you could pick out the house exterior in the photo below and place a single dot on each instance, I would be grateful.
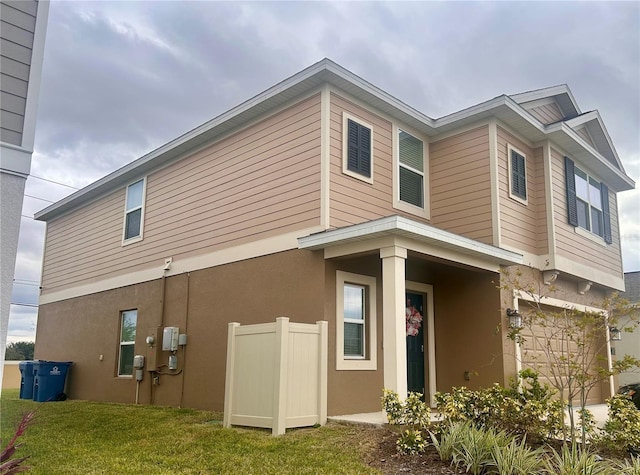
(630, 343)
(24, 26)
(325, 198)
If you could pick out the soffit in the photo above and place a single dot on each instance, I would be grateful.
(398, 226)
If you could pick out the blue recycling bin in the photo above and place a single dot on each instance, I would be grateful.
(49, 380)
(26, 379)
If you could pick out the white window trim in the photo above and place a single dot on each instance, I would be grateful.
(370, 362)
(125, 343)
(588, 233)
(345, 147)
(397, 203)
(511, 148)
(126, 242)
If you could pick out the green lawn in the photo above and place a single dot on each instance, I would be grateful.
(89, 438)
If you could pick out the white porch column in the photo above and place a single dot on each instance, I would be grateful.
(393, 319)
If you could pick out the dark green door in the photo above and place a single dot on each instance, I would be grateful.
(416, 320)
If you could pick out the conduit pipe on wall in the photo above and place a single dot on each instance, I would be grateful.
(186, 326)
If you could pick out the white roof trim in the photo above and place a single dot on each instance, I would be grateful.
(400, 225)
(307, 79)
(595, 116)
(537, 94)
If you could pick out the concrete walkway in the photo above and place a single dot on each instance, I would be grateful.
(379, 419)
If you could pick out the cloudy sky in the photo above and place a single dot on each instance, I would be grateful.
(122, 78)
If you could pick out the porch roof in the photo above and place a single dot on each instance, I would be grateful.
(412, 232)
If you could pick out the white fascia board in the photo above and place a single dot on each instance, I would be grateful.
(624, 182)
(400, 225)
(553, 91)
(595, 116)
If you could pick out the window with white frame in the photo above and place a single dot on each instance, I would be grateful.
(517, 175)
(128, 322)
(587, 202)
(357, 148)
(134, 211)
(410, 169)
(355, 322)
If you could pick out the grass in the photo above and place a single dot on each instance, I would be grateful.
(81, 437)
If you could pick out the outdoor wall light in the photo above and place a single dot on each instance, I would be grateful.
(515, 319)
(615, 334)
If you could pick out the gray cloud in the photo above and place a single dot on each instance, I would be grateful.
(122, 78)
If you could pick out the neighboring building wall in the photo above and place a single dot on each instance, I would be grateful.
(16, 36)
(630, 344)
(461, 184)
(547, 113)
(22, 34)
(570, 245)
(258, 183)
(11, 377)
(523, 226)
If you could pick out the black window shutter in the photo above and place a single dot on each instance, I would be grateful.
(359, 148)
(606, 215)
(570, 179)
(518, 175)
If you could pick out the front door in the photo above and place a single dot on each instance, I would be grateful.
(416, 321)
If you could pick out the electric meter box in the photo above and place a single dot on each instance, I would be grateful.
(138, 361)
(170, 338)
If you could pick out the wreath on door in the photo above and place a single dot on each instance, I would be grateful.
(414, 320)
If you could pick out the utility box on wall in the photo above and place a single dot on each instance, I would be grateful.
(154, 336)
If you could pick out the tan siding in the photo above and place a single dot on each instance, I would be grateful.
(539, 187)
(260, 182)
(461, 184)
(353, 201)
(520, 222)
(547, 114)
(573, 246)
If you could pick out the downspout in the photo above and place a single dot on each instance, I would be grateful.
(609, 360)
(162, 306)
(184, 348)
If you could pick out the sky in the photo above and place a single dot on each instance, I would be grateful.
(122, 78)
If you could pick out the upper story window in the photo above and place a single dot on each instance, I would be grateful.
(411, 169)
(517, 175)
(128, 322)
(411, 173)
(587, 202)
(358, 149)
(134, 212)
(355, 322)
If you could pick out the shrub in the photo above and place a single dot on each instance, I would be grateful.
(622, 430)
(413, 413)
(573, 460)
(449, 438)
(516, 458)
(526, 410)
(411, 442)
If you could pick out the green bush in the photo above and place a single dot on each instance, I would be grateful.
(527, 410)
(413, 413)
(449, 437)
(411, 442)
(573, 460)
(516, 458)
(621, 432)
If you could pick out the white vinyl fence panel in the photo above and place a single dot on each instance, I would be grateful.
(276, 375)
